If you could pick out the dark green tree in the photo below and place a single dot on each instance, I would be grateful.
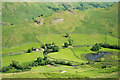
(69, 64)
(66, 44)
(53, 43)
(43, 46)
(39, 59)
(29, 51)
(55, 49)
(70, 42)
(33, 49)
(96, 47)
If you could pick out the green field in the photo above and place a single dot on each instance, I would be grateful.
(54, 72)
(58, 39)
(85, 21)
(25, 57)
(86, 24)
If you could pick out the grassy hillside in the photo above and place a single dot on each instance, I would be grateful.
(15, 12)
(89, 20)
(27, 25)
(6, 60)
(58, 39)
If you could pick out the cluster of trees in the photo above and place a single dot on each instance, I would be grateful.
(66, 7)
(7, 68)
(96, 47)
(83, 6)
(17, 66)
(70, 41)
(38, 16)
(39, 62)
(109, 46)
(54, 9)
(45, 61)
(48, 48)
(62, 62)
(67, 44)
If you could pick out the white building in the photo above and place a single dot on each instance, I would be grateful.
(63, 71)
(37, 49)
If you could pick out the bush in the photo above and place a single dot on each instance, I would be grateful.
(39, 59)
(82, 64)
(14, 64)
(45, 58)
(18, 71)
(55, 49)
(57, 62)
(4, 69)
(104, 66)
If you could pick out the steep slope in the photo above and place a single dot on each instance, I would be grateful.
(18, 12)
(21, 28)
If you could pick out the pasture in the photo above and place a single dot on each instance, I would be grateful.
(85, 27)
(21, 58)
(58, 39)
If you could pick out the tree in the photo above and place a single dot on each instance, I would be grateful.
(41, 14)
(55, 49)
(45, 58)
(43, 46)
(4, 69)
(70, 42)
(29, 51)
(66, 44)
(53, 43)
(96, 47)
(49, 46)
(45, 52)
(39, 59)
(33, 49)
(103, 66)
(14, 64)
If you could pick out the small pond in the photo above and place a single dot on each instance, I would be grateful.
(95, 56)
